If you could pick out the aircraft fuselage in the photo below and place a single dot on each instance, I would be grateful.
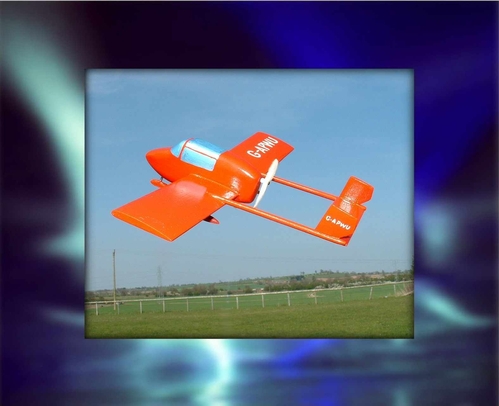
(229, 171)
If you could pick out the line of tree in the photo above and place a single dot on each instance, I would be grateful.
(302, 281)
(200, 290)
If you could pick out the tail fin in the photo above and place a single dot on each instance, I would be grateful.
(342, 217)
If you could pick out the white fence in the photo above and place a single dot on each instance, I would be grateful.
(282, 298)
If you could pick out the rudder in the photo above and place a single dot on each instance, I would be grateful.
(343, 216)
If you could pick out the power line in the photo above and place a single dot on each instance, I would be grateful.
(138, 277)
(255, 257)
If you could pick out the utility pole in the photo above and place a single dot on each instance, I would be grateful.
(160, 283)
(114, 277)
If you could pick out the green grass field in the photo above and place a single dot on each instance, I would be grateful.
(251, 301)
(355, 317)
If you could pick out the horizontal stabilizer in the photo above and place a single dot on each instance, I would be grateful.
(343, 216)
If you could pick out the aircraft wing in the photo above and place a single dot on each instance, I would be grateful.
(174, 209)
(261, 149)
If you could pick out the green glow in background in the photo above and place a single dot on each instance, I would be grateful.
(36, 64)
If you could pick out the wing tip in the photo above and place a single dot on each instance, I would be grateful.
(134, 221)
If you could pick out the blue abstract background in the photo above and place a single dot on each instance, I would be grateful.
(46, 48)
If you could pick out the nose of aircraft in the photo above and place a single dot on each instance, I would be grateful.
(155, 156)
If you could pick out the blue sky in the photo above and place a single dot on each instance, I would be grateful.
(341, 123)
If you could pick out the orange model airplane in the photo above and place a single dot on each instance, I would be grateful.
(204, 178)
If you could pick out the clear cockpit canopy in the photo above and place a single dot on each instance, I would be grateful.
(198, 152)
